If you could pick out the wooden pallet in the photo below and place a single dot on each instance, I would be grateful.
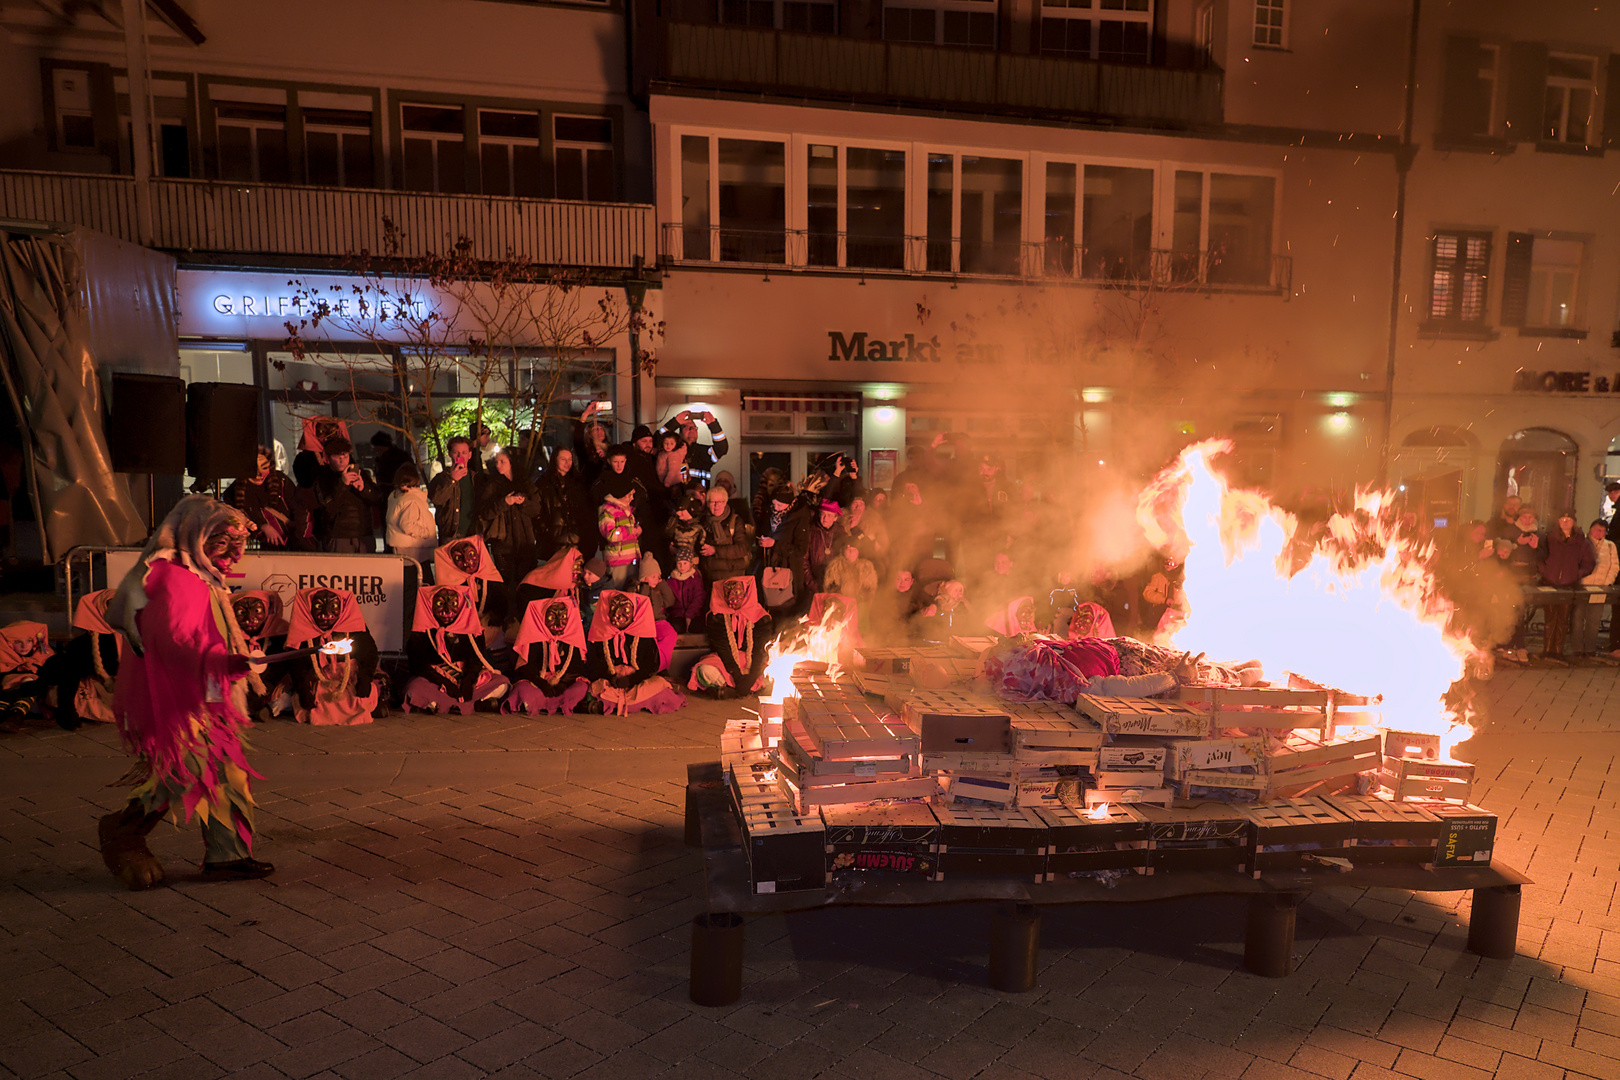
(1307, 765)
(1292, 834)
(1079, 843)
(982, 840)
(1281, 708)
(786, 850)
(1388, 831)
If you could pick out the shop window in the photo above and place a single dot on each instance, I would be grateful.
(970, 23)
(75, 121)
(583, 150)
(1537, 465)
(1460, 263)
(509, 153)
(338, 148)
(804, 16)
(252, 141)
(435, 154)
(1114, 30)
(1541, 282)
(1271, 24)
(1117, 203)
(1570, 99)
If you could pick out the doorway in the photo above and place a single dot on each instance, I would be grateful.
(1537, 465)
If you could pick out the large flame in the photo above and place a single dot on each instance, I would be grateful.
(820, 642)
(1361, 616)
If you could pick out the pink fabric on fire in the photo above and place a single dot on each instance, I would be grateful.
(1050, 669)
(158, 692)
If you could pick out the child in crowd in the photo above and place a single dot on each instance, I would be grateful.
(620, 536)
(651, 584)
(688, 595)
(409, 526)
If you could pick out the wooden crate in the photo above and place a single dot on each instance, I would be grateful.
(1209, 836)
(1161, 796)
(998, 788)
(1143, 716)
(1225, 764)
(1388, 831)
(882, 789)
(843, 737)
(1078, 843)
(1290, 834)
(786, 850)
(1280, 708)
(1307, 765)
(1430, 781)
(981, 840)
(898, 661)
(886, 687)
(1416, 745)
(900, 838)
(798, 752)
(1133, 752)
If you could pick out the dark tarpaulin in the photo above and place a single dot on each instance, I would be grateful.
(50, 378)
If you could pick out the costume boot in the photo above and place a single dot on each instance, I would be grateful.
(123, 846)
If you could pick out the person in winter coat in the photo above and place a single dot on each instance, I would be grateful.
(867, 531)
(689, 594)
(621, 537)
(685, 526)
(345, 494)
(457, 492)
(1566, 558)
(271, 502)
(408, 526)
(728, 540)
(507, 522)
(849, 574)
(1605, 568)
(566, 509)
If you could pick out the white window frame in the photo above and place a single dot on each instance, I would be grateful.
(1037, 197)
(506, 142)
(437, 138)
(1564, 85)
(559, 144)
(940, 7)
(793, 183)
(917, 198)
(1259, 30)
(341, 132)
(1492, 74)
(799, 212)
(253, 128)
(1543, 320)
(777, 7)
(1096, 16)
(1165, 206)
(76, 102)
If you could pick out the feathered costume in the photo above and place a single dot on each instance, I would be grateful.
(180, 696)
(622, 657)
(449, 670)
(332, 689)
(739, 630)
(551, 644)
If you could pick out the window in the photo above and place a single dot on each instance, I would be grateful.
(435, 148)
(812, 16)
(1117, 203)
(1116, 30)
(751, 178)
(1461, 262)
(1469, 106)
(583, 146)
(509, 153)
(75, 120)
(1221, 228)
(1204, 34)
(1541, 282)
(855, 215)
(252, 142)
(944, 22)
(1061, 216)
(1570, 99)
(1271, 24)
(338, 148)
(696, 218)
(991, 215)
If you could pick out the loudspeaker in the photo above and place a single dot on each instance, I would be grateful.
(222, 430)
(146, 430)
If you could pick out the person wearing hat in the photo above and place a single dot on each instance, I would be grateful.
(344, 495)
(700, 459)
(1611, 499)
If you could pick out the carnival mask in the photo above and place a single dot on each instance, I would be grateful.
(620, 610)
(446, 605)
(225, 546)
(734, 593)
(465, 556)
(324, 608)
(1084, 622)
(555, 617)
(1025, 614)
(251, 613)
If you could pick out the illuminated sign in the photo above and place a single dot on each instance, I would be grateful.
(297, 305)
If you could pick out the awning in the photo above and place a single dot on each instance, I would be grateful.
(805, 401)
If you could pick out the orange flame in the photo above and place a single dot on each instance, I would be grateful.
(1098, 812)
(1361, 616)
(821, 642)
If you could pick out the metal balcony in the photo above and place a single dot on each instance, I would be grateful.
(817, 251)
(824, 66)
(288, 220)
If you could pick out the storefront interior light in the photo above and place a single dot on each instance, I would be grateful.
(1094, 394)
(1339, 423)
(885, 413)
(1340, 400)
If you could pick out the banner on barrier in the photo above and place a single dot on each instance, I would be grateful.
(377, 582)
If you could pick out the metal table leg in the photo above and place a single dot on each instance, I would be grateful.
(1493, 924)
(1268, 947)
(1015, 942)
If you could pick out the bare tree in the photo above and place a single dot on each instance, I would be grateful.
(516, 332)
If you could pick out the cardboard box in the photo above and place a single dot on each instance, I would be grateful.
(1192, 754)
(1133, 752)
(1210, 836)
(1467, 835)
(1163, 796)
(978, 840)
(1284, 833)
(1387, 831)
(901, 838)
(996, 764)
(786, 851)
(1144, 716)
(1001, 790)
(1417, 745)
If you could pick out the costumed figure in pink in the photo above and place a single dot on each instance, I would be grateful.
(1090, 619)
(80, 676)
(551, 645)
(561, 575)
(739, 630)
(449, 672)
(622, 657)
(467, 562)
(24, 648)
(335, 689)
(1017, 618)
(180, 697)
(264, 628)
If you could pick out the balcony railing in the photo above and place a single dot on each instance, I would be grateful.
(283, 219)
(881, 72)
(806, 250)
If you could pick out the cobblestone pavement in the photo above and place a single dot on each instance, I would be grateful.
(511, 897)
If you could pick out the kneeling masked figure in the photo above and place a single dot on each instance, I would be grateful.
(739, 631)
(449, 672)
(623, 657)
(333, 689)
(551, 644)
